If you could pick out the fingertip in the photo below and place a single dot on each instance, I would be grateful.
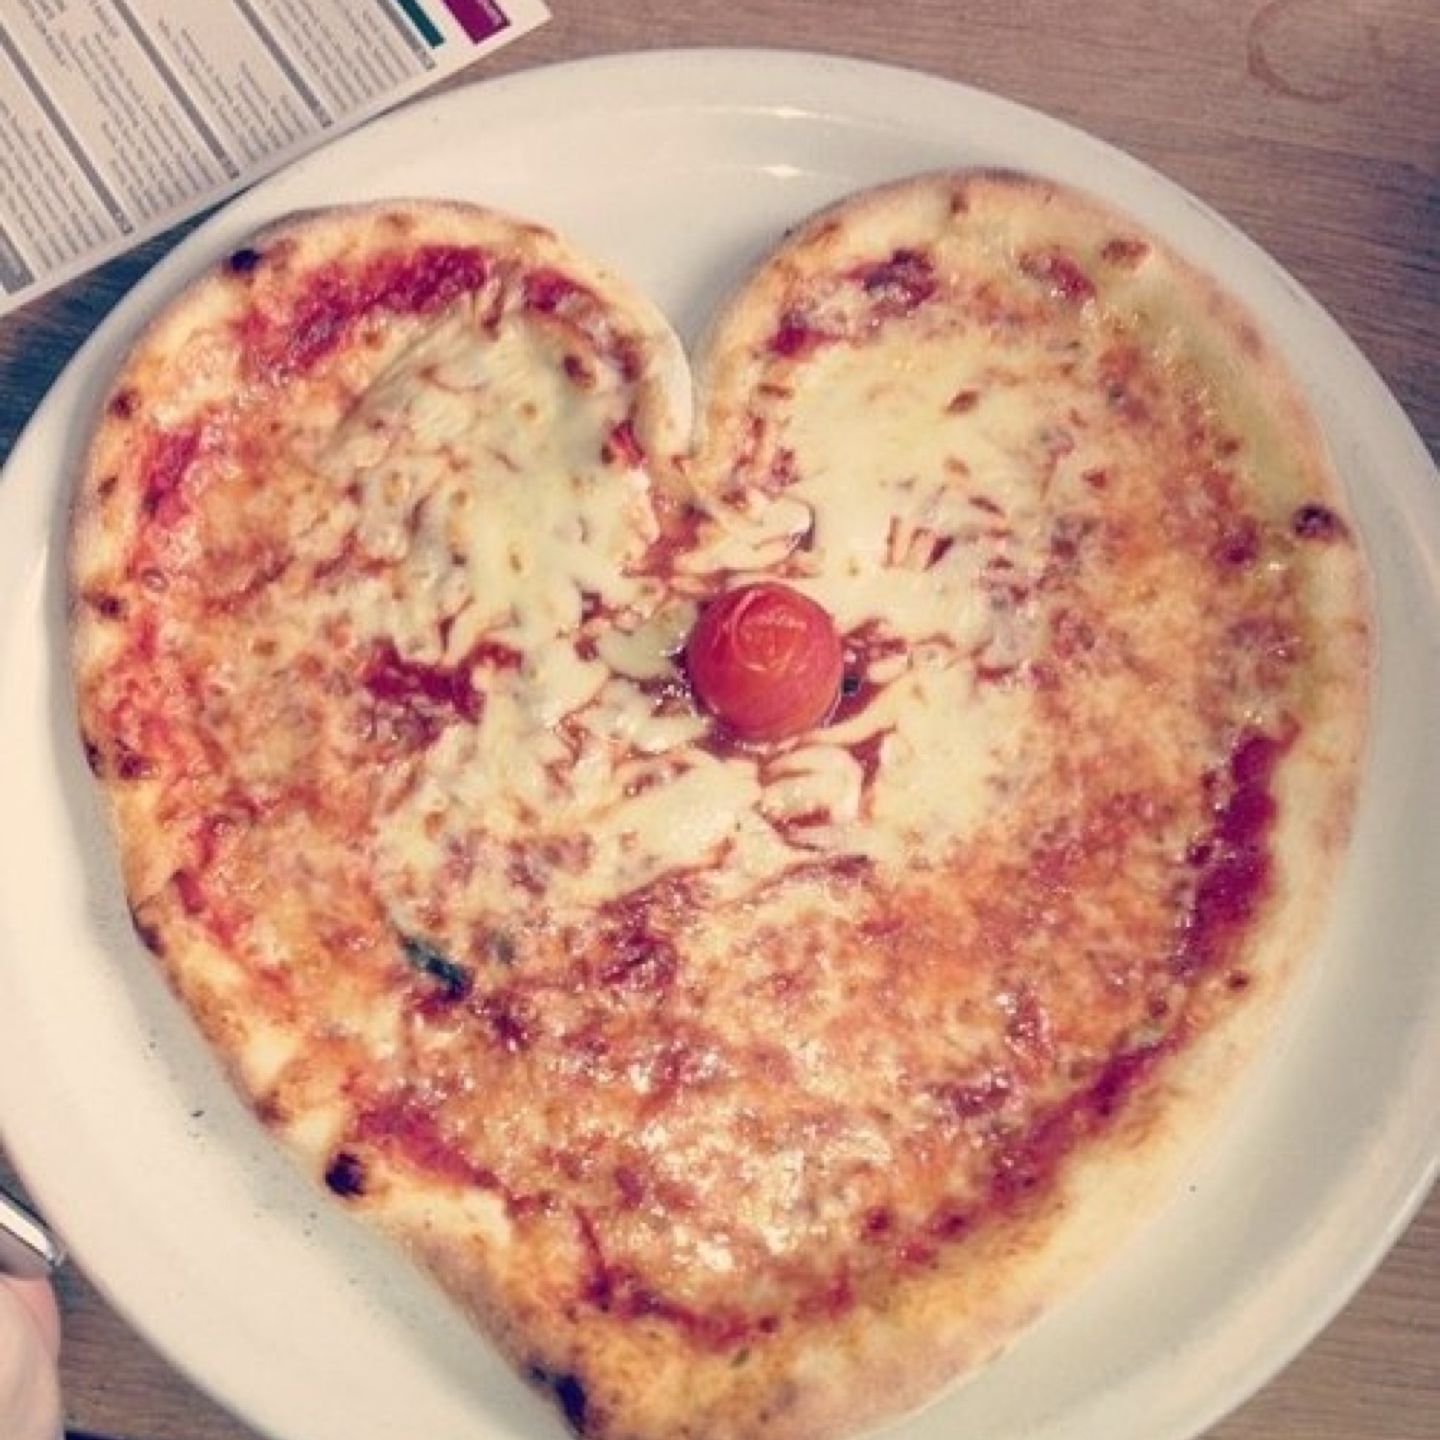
(38, 1297)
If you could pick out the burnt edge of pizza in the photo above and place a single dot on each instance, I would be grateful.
(735, 1086)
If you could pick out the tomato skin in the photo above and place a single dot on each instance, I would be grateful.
(766, 661)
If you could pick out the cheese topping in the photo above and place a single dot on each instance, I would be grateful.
(481, 475)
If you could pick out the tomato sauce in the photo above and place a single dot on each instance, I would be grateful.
(1234, 860)
(899, 284)
(435, 695)
(171, 454)
(418, 282)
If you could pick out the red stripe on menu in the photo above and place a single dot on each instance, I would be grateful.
(480, 19)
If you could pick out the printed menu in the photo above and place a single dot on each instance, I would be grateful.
(119, 118)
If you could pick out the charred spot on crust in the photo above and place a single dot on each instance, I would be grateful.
(94, 756)
(104, 604)
(123, 404)
(148, 934)
(345, 1174)
(244, 261)
(272, 1111)
(1313, 521)
(569, 1394)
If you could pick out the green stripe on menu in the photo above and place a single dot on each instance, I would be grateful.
(423, 23)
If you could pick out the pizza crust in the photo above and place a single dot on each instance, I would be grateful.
(899, 1345)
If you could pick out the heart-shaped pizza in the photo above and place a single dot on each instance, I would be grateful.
(757, 902)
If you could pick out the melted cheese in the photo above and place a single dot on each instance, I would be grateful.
(480, 469)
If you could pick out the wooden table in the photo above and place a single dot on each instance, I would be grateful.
(1315, 125)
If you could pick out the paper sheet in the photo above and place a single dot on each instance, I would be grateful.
(119, 118)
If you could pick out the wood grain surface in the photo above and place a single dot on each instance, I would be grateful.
(1315, 126)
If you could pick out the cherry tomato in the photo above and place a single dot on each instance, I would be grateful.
(765, 660)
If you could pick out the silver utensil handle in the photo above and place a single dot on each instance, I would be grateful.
(27, 1249)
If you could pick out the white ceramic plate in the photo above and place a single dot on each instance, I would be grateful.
(680, 169)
